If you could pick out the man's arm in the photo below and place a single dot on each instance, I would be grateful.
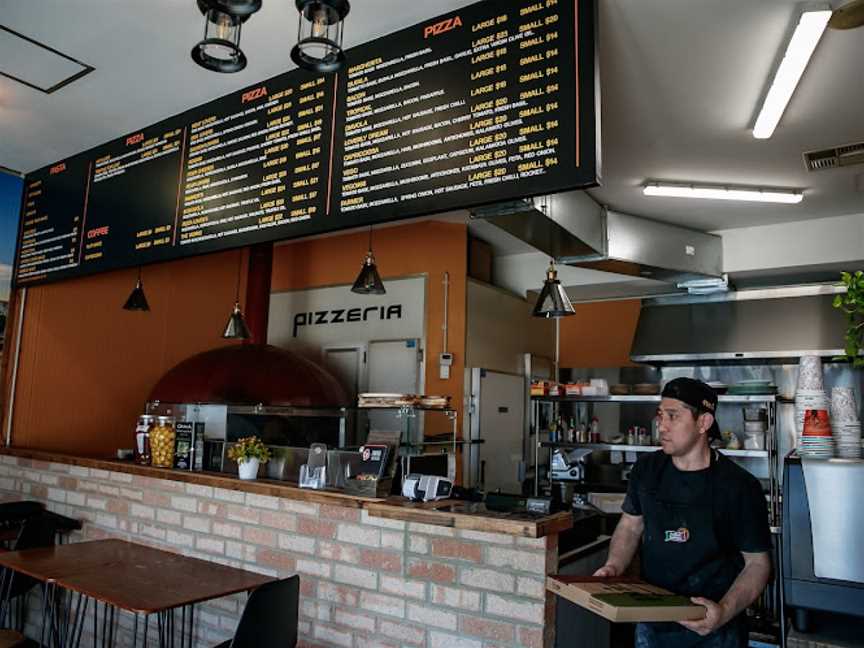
(746, 589)
(625, 542)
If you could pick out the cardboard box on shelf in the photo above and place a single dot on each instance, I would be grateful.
(624, 600)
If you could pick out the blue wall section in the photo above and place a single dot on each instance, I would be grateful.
(10, 206)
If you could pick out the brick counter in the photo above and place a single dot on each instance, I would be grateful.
(366, 581)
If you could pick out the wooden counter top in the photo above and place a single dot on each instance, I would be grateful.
(449, 513)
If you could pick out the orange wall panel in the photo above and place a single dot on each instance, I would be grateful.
(87, 365)
(599, 334)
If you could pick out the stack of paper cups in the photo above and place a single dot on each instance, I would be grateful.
(845, 423)
(810, 393)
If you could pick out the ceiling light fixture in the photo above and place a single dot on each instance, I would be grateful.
(236, 328)
(798, 52)
(319, 35)
(369, 282)
(553, 301)
(219, 51)
(137, 301)
(722, 193)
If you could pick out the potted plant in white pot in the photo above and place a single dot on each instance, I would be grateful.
(249, 453)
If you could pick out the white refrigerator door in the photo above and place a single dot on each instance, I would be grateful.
(499, 408)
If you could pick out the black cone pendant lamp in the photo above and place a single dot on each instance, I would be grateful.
(553, 301)
(219, 50)
(236, 328)
(369, 282)
(137, 301)
(319, 35)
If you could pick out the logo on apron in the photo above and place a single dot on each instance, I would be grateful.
(679, 535)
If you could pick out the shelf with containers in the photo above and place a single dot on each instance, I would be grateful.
(545, 409)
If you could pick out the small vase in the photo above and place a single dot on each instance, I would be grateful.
(248, 468)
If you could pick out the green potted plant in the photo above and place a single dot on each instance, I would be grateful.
(852, 304)
(249, 453)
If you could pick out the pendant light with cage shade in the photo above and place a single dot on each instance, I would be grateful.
(369, 282)
(319, 35)
(236, 328)
(137, 301)
(553, 301)
(219, 50)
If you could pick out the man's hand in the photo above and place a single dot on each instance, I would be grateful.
(607, 571)
(715, 617)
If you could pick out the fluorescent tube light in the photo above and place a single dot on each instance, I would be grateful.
(798, 52)
(722, 193)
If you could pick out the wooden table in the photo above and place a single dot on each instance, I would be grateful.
(126, 576)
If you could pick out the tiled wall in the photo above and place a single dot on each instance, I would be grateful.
(366, 582)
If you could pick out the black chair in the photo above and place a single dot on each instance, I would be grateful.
(36, 531)
(270, 617)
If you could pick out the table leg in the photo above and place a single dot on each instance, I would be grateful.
(135, 629)
(45, 596)
(5, 593)
(146, 626)
(78, 628)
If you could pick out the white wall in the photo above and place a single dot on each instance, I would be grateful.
(500, 330)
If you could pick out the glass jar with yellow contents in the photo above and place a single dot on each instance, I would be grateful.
(162, 437)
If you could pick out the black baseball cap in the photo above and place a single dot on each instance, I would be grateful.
(697, 394)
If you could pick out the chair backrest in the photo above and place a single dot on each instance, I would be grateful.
(37, 532)
(270, 616)
(13, 514)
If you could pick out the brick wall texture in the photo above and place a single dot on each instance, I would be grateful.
(366, 582)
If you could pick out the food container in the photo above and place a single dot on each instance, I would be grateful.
(162, 437)
(142, 439)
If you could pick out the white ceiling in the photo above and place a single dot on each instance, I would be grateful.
(682, 80)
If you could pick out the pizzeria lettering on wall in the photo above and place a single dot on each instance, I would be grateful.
(346, 316)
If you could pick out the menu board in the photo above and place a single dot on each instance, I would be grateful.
(486, 104)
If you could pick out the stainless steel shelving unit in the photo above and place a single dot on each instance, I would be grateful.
(770, 454)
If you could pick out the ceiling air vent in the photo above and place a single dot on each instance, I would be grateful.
(838, 156)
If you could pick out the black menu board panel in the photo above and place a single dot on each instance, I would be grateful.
(55, 199)
(477, 106)
(132, 201)
(258, 164)
(485, 104)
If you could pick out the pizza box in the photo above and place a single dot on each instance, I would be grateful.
(624, 600)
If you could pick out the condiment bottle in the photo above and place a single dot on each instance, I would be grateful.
(595, 430)
(142, 439)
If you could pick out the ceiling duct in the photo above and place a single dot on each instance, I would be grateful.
(775, 324)
(574, 230)
(835, 157)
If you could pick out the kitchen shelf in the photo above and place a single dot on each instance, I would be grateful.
(754, 398)
(640, 448)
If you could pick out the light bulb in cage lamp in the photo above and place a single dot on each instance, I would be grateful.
(319, 35)
(219, 50)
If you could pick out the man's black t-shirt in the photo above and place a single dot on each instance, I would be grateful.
(732, 497)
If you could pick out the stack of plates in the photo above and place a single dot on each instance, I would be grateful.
(816, 447)
(752, 388)
(844, 419)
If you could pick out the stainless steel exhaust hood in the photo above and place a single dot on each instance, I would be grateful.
(776, 324)
(574, 230)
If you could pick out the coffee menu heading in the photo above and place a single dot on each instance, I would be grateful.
(486, 104)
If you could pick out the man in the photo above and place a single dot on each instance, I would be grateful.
(702, 521)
